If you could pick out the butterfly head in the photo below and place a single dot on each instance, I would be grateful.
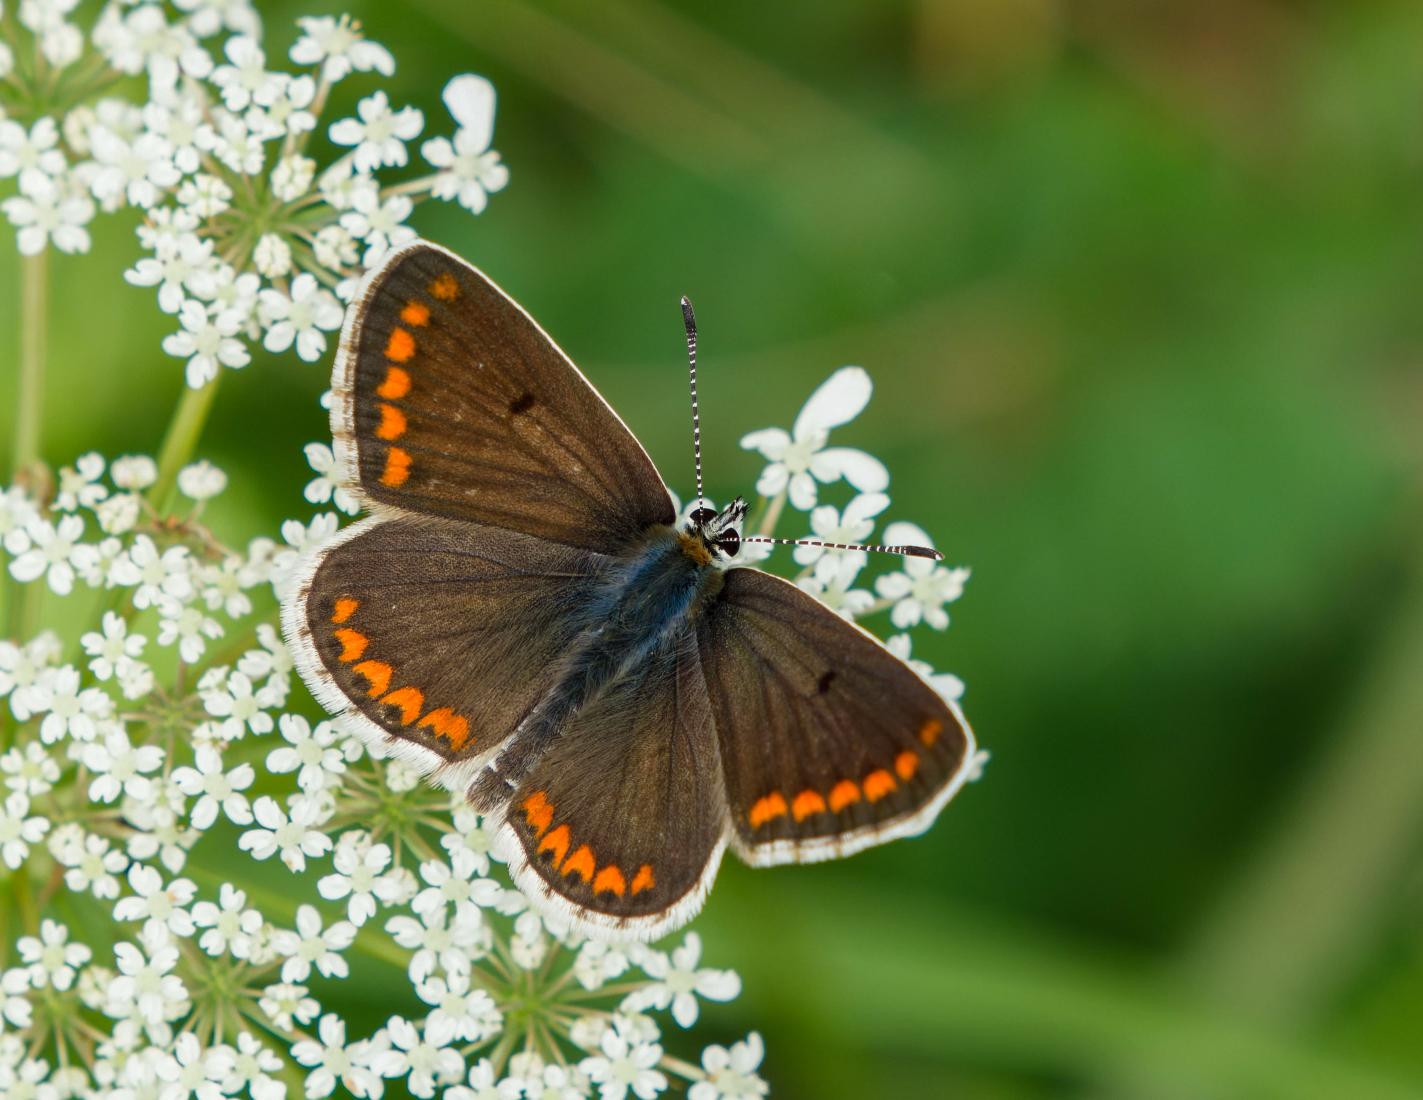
(719, 531)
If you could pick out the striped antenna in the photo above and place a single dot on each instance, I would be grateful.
(875, 548)
(690, 320)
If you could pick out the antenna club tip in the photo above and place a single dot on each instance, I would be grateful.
(921, 552)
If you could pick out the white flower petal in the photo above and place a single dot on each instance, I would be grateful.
(837, 400)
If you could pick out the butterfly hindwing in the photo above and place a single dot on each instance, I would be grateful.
(829, 742)
(621, 824)
(435, 635)
(451, 401)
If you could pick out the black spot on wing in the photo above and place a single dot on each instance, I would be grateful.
(523, 403)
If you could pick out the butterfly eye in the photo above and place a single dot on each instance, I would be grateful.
(729, 542)
(702, 516)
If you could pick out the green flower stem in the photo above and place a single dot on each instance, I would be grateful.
(29, 402)
(181, 440)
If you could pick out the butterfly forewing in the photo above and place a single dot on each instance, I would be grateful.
(622, 823)
(438, 634)
(451, 401)
(829, 742)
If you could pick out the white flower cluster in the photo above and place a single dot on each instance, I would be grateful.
(159, 747)
(248, 238)
(799, 462)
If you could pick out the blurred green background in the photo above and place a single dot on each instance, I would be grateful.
(1141, 288)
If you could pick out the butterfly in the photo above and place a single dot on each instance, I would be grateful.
(521, 619)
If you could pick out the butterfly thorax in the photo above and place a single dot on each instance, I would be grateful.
(642, 609)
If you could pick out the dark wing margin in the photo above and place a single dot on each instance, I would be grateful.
(621, 825)
(829, 742)
(449, 400)
(433, 637)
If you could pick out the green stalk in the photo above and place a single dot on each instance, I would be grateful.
(34, 329)
(181, 440)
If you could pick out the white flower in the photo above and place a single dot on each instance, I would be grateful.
(29, 769)
(378, 134)
(162, 908)
(201, 480)
(426, 1062)
(311, 945)
(599, 962)
(251, 1067)
(625, 1063)
(177, 271)
(800, 459)
(72, 711)
(286, 1004)
(240, 707)
(207, 342)
(295, 837)
(47, 214)
(922, 586)
(55, 553)
(121, 768)
(439, 941)
(832, 584)
(469, 169)
(311, 753)
(292, 177)
(380, 224)
(360, 875)
(460, 1011)
(79, 485)
(114, 651)
(136, 171)
(17, 511)
(338, 47)
(335, 1061)
(245, 79)
(949, 686)
(93, 863)
(272, 257)
(214, 788)
(191, 1070)
(303, 318)
(485, 1084)
(731, 1074)
(32, 155)
(455, 884)
(153, 575)
(145, 985)
(134, 472)
(327, 485)
(230, 926)
(679, 983)
(828, 524)
(186, 627)
(52, 959)
(18, 830)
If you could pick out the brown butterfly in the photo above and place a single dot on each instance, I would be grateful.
(521, 619)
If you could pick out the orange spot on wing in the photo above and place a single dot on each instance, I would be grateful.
(400, 348)
(538, 810)
(555, 842)
(345, 608)
(581, 863)
(445, 288)
(807, 803)
(447, 724)
(643, 880)
(929, 731)
(396, 384)
(397, 468)
(410, 700)
(415, 313)
(392, 422)
(764, 809)
(906, 764)
(377, 674)
(609, 881)
(843, 794)
(878, 784)
(353, 643)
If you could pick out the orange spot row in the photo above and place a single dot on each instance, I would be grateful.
(445, 287)
(875, 786)
(397, 468)
(415, 313)
(396, 384)
(929, 732)
(442, 721)
(538, 812)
